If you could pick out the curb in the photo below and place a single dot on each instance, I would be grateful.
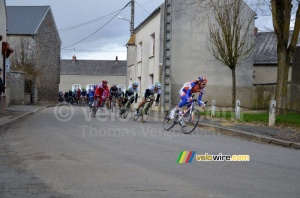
(10, 122)
(251, 136)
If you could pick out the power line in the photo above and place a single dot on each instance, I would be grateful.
(98, 28)
(86, 23)
(142, 7)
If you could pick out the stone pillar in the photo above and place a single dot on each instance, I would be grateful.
(237, 110)
(272, 113)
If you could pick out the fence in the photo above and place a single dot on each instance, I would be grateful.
(237, 109)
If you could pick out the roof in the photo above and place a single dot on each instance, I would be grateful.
(93, 67)
(265, 50)
(25, 19)
(156, 11)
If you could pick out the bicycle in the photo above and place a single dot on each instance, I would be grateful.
(82, 101)
(97, 106)
(91, 101)
(188, 119)
(112, 103)
(125, 110)
(146, 110)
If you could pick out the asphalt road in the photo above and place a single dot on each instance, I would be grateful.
(61, 152)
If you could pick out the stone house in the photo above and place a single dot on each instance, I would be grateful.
(85, 73)
(165, 48)
(265, 70)
(34, 28)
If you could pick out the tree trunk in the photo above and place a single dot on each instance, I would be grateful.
(282, 80)
(233, 86)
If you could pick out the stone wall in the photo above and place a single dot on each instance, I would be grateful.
(17, 85)
(47, 60)
(295, 84)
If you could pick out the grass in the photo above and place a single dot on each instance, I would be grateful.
(291, 119)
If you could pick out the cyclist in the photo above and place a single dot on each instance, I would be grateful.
(77, 95)
(101, 92)
(91, 96)
(120, 97)
(153, 89)
(197, 86)
(113, 92)
(130, 93)
(83, 95)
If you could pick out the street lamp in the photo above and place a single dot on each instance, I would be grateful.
(123, 19)
(119, 17)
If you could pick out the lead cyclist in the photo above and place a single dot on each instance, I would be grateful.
(197, 86)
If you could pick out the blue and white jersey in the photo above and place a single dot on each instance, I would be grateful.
(130, 91)
(152, 90)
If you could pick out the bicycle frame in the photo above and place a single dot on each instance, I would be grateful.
(188, 111)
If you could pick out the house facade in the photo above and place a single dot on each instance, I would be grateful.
(6, 50)
(33, 30)
(181, 56)
(81, 74)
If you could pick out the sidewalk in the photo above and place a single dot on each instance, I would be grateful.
(16, 112)
(286, 136)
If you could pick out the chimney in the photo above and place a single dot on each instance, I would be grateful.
(255, 31)
(74, 59)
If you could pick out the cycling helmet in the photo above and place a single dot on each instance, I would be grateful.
(114, 85)
(135, 84)
(202, 79)
(157, 85)
(104, 82)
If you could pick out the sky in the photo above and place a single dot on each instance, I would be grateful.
(104, 35)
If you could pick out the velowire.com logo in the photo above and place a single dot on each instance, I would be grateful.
(186, 157)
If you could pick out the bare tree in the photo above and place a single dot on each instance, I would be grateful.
(23, 60)
(229, 23)
(285, 16)
(282, 16)
(231, 42)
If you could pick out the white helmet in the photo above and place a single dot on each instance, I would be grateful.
(157, 85)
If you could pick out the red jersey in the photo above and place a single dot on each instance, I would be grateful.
(102, 91)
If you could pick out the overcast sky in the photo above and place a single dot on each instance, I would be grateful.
(109, 41)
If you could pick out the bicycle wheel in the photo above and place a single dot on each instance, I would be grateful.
(113, 103)
(136, 116)
(126, 111)
(94, 111)
(168, 123)
(121, 112)
(190, 122)
(146, 112)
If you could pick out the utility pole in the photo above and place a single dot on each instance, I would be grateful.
(132, 18)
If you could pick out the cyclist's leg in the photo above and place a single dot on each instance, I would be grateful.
(182, 102)
(142, 103)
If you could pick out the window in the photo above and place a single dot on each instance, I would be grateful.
(151, 79)
(76, 86)
(89, 86)
(139, 51)
(152, 44)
